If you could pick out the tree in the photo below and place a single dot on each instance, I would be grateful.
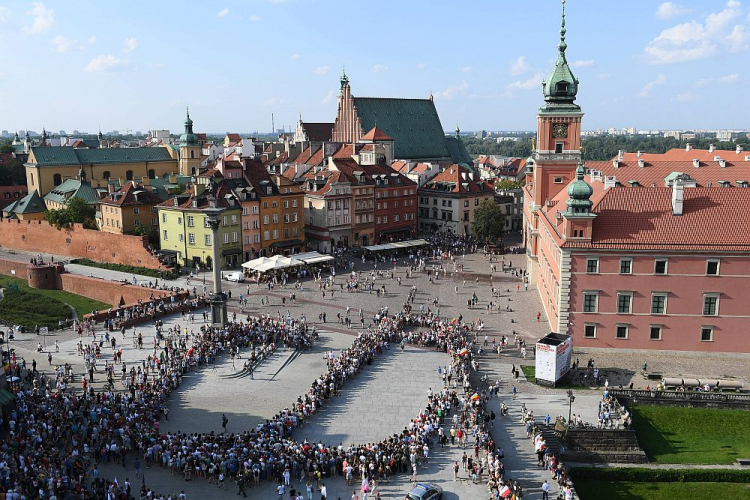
(150, 231)
(6, 146)
(489, 222)
(76, 211)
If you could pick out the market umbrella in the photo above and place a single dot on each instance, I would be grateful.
(505, 492)
(463, 352)
(475, 397)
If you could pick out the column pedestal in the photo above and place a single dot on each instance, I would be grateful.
(218, 304)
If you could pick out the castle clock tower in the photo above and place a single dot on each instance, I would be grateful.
(558, 147)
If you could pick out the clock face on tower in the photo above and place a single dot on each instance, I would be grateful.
(560, 130)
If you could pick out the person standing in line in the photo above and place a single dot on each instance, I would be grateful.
(545, 490)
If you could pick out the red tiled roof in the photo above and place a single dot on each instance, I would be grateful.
(126, 196)
(453, 177)
(233, 137)
(641, 218)
(186, 200)
(681, 154)
(655, 169)
(282, 158)
(375, 134)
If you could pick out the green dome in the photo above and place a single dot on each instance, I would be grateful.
(579, 193)
(189, 138)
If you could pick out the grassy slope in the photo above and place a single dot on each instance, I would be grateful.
(591, 489)
(692, 435)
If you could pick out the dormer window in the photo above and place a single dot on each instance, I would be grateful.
(562, 87)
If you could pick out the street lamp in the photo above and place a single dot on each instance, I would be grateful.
(203, 263)
(571, 398)
(217, 299)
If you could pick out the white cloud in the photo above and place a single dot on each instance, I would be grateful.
(322, 70)
(4, 14)
(519, 66)
(532, 83)
(106, 63)
(255, 19)
(272, 101)
(692, 41)
(467, 69)
(726, 79)
(686, 97)
(64, 44)
(646, 90)
(91, 40)
(379, 68)
(668, 10)
(43, 18)
(329, 97)
(223, 12)
(130, 45)
(421, 65)
(296, 57)
(583, 64)
(451, 91)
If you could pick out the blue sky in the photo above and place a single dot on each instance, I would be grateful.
(136, 65)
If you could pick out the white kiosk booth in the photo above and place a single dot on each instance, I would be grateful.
(553, 354)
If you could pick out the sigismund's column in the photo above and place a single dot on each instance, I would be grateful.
(217, 299)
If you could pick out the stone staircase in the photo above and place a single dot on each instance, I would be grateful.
(603, 446)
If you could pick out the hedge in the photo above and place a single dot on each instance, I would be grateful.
(642, 475)
(144, 271)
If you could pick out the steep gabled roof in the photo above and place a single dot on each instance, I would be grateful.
(73, 188)
(132, 194)
(63, 155)
(457, 179)
(414, 125)
(375, 134)
(29, 204)
(318, 132)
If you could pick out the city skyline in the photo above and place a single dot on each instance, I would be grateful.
(131, 69)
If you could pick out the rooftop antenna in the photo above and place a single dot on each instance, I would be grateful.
(273, 126)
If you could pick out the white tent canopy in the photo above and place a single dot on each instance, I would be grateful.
(264, 264)
(396, 245)
(313, 257)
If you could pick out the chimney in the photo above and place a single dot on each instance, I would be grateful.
(616, 163)
(619, 154)
(677, 197)
(688, 146)
(641, 163)
(711, 148)
(638, 154)
(722, 163)
(739, 149)
(111, 188)
(696, 163)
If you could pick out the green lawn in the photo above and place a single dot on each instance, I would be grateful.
(31, 307)
(692, 435)
(593, 489)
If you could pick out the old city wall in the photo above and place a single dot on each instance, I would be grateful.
(41, 237)
(110, 292)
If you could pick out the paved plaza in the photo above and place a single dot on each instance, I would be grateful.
(378, 402)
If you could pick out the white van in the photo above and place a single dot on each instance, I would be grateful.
(236, 276)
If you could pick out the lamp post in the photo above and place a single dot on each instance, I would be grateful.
(203, 263)
(217, 299)
(571, 398)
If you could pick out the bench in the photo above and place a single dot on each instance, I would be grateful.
(654, 376)
(742, 461)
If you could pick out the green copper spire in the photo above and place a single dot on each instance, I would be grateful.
(344, 78)
(561, 87)
(188, 138)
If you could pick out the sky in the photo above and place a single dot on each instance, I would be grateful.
(136, 65)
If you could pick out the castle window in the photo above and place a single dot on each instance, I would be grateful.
(129, 175)
(152, 174)
(57, 179)
(106, 174)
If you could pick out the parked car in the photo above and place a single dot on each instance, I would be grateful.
(425, 491)
(235, 276)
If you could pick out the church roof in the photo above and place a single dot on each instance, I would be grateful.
(318, 132)
(63, 155)
(414, 125)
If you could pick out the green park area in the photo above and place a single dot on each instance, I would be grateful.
(628, 490)
(673, 435)
(23, 305)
